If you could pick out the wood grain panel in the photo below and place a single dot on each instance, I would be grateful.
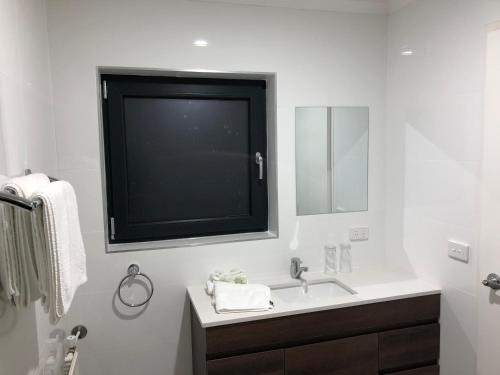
(199, 344)
(409, 347)
(354, 355)
(428, 370)
(265, 363)
(319, 326)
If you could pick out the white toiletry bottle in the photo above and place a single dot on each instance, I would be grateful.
(50, 366)
(345, 256)
(55, 356)
(330, 258)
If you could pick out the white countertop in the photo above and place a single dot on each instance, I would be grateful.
(370, 287)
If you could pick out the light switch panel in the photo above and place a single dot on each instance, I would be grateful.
(359, 234)
(458, 250)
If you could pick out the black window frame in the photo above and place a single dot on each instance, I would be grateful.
(119, 86)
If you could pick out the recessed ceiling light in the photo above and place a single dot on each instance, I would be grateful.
(200, 43)
(405, 51)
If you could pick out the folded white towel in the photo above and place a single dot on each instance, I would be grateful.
(18, 242)
(64, 263)
(230, 297)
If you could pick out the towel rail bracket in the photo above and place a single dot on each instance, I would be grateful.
(79, 329)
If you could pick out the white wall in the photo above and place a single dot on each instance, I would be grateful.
(320, 59)
(433, 157)
(27, 140)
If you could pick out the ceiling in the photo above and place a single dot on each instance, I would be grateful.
(355, 6)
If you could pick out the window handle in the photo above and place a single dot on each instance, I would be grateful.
(259, 160)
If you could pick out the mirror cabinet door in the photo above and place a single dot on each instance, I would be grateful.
(313, 160)
(331, 153)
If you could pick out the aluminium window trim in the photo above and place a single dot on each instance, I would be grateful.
(273, 228)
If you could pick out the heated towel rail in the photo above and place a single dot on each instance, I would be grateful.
(71, 359)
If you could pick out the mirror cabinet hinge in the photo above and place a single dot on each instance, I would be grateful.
(104, 90)
(112, 227)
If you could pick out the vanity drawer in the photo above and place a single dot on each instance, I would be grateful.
(265, 363)
(409, 347)
(354, 355)
(428, 370)
(319, 326)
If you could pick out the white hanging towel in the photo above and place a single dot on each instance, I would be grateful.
(5, 274)
(18, 258)
(230, 297)
(9, 272)
(63, 261)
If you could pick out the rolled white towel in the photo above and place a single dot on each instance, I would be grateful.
(236, 276)
(210, 287)
(230, 297)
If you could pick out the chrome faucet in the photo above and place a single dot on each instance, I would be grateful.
(296, 270)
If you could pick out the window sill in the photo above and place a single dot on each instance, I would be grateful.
(188, 242)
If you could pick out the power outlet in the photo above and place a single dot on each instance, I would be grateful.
(458, 250)
(359, 234)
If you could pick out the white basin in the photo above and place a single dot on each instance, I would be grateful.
(322, 291)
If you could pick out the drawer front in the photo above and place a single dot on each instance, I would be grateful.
(429, 370)
(265, 363)
(354, 355)
(320, 326)
(409, 347)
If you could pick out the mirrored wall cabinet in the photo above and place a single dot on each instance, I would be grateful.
(331, 159)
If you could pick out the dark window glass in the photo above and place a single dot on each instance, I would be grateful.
(180, 157)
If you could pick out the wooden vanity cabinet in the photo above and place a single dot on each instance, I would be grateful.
(270, 362)
(408, 347)
(399, 337)
(427, 370)
(353, 355)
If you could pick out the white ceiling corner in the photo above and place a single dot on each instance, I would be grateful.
(395, 5)
(354, 6)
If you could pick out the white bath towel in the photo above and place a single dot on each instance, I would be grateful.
(40, 243)
(5, 274)
(230, 297)
(64, 263)
(20, 257)
(9, 274)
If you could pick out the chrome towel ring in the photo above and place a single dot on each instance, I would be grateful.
(132, 272)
